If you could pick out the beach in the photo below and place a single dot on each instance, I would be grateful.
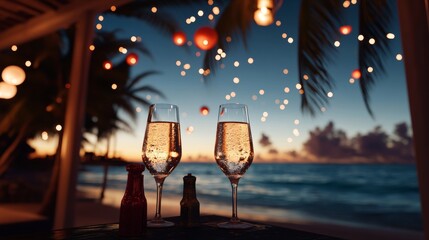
(89, 211)
(92, 212)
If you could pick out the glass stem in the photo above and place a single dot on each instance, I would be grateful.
(234, 203)
(159, 183)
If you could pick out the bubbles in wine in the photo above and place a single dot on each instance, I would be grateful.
(161, 147)
(234, 148)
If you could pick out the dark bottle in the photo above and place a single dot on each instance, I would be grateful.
(133, 214)
(189, 205)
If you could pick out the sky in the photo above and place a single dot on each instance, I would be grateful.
(271, 54)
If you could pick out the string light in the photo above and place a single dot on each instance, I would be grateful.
(337, 43)
(390, 36)
(398, 57)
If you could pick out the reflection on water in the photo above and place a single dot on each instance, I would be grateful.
(383, 195)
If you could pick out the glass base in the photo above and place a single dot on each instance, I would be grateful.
(159, 224)
(235, 225)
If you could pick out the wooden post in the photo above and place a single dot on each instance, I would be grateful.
(72, 135)
(413, 18)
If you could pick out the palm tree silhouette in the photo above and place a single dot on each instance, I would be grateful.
(318, 28)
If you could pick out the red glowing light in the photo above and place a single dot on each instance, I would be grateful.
(132, 59)
(205, 38)
(346, 29)
(204, 110)
(179, 38)
(356, 74)
(107, 65)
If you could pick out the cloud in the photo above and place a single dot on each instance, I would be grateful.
(273, 151)
(333, 145)
(265, 140)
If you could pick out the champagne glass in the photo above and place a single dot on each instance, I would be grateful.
(161, 150)
(233, 152)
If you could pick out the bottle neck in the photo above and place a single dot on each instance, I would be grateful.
(189, 190)
(134, 184)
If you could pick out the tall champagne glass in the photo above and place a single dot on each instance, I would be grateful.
(161, 150)
(233, 152)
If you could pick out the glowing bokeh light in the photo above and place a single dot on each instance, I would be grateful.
(7, 91)
(107, 65)
(13, 75)
(356, 74)
(179, 38)
(337, 43)
(132, 59)
(390, 36)
(205, 38)
(45, 136)
(204, 110)
(399, 57)
(346, 29)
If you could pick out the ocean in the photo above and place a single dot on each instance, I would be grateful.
(379, 195)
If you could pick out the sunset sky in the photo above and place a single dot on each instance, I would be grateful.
(286, 129)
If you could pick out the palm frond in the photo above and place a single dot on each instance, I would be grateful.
(375, 17)
(147, 89)
(140, 77)
(234, 22)
(319, 21)
(140, 10)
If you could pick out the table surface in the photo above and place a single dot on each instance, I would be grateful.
(206, 231)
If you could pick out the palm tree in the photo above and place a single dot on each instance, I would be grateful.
(37, 106)
(318, 25)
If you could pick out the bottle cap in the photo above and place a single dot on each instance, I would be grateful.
(189, 177)
(135, 167)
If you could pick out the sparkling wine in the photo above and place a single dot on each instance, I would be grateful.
(162, 147)
(234, 148)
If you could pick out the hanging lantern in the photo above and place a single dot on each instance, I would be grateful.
(7, 91)
(204, 110)
(346, 29)
(205, 38)
(132, 59)
(264, 14)
(356, 74)
(13, 75)
(179, 38)
(107, 65)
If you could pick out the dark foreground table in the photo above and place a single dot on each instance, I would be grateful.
(207, 230)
